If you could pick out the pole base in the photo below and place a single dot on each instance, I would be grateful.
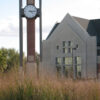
(31, 69)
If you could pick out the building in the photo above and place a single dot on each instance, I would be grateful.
(73, 48)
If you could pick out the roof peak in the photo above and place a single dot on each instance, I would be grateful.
(83, 17)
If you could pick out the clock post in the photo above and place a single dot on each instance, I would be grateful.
(30, 12)
(30, 36)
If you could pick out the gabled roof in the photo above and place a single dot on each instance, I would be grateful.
(77, 28)
(54, 27)
(73, 24)
(83, 22)
(80, 26)
(91, 26)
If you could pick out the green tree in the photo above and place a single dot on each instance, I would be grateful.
(9, 58)
(3, 59)
(12, 59)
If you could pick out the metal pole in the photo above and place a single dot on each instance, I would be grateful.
(40, 23)
(20, 34)
(73, 65)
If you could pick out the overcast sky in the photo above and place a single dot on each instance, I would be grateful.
(53, 11)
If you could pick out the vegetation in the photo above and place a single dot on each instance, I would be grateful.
(19, 86)
(46, 88)
(9, 58)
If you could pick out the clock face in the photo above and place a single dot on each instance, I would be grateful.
(30, 11)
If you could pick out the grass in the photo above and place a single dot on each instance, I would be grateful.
(14, 87)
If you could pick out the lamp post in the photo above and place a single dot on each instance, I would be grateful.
(73, 64)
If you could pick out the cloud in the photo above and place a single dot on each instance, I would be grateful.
(9, 26)
(58, 8)
(53, 11)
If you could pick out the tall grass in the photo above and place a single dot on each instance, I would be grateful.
(12, 87)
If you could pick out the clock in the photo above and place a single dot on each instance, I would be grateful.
(30, 11)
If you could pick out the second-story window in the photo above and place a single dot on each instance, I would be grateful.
(69, 43)
(57, 47)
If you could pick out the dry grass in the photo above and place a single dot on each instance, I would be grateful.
(16, 87)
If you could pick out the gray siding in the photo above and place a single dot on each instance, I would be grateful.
(70, 30)
(91, 57)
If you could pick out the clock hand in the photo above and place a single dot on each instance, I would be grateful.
(31, 11)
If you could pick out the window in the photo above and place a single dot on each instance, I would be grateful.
(78, 71)
(69, 43)
(58, 60)
(65, 50)
(58, 71)
(68, 66)
(67, 60)
(64, 43)
(63, 60)
(58, 65)
(57, 47)
(67, 47)
(68, 71)
(69, 50)
(78, 66)
(78, 60)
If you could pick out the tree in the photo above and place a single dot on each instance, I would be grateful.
(3, 59)
(8, 58)
(12, 58)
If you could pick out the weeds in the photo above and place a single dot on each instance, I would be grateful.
(12, 88)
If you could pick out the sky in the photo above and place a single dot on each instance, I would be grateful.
(53, 11)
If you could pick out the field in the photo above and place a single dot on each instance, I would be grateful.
(20, 87)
